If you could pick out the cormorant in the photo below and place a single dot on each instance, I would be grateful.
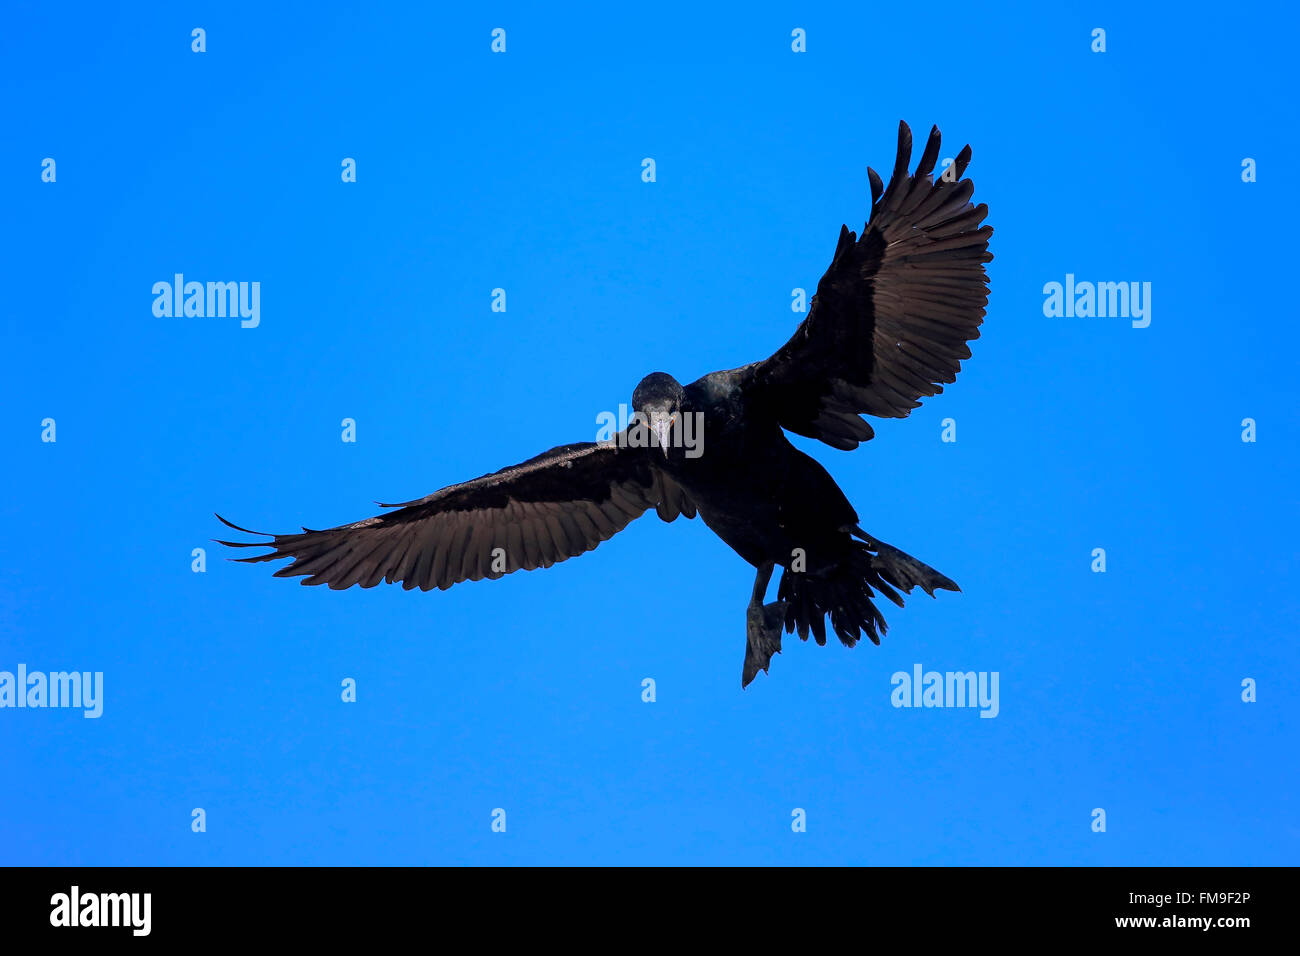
(889, 324)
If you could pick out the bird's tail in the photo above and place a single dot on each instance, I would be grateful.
(845, 591)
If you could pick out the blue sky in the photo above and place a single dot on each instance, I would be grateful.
(1119, 690)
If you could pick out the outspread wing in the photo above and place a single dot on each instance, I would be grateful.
(555, 506)
(893, 313)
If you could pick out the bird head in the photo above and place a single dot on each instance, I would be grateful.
(659, 399)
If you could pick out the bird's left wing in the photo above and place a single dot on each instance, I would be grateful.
(560, 504)
(893, 313)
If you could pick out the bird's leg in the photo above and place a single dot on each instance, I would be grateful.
(763, 624)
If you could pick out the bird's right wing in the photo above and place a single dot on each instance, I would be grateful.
(560, 504)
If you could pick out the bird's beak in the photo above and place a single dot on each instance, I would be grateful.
(662, 428)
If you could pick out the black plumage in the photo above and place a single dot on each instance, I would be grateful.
(889, 325)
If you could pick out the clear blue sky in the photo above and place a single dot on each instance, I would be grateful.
(1118, 690)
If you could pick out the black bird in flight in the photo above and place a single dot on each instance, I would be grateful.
(889, 324)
